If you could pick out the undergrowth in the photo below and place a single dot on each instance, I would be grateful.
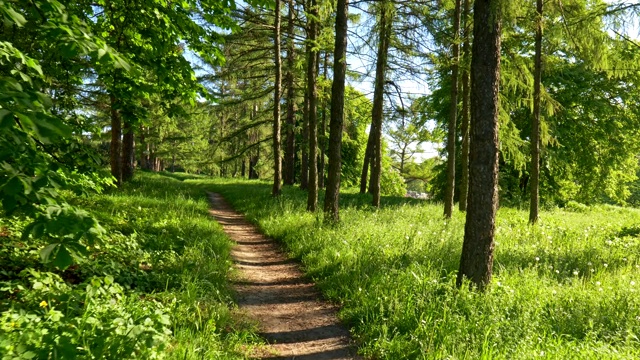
(564, 289)
(156, 287)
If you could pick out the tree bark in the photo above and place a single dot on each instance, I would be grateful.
(367, 161)
(277, 166)
(128, 151)
(464, 156)
(323, 129)
(453, 115)
(476, 261)
(535, 125)
(332, 195)
(115, 150)
(304, 145)
(378, 102)
(312, 93)
(290, 151)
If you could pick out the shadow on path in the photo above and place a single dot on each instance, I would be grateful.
(272, 290)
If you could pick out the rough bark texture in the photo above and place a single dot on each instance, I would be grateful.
(535, 125)
(115, 150)
(476, 262)
(453, 115)
(464, 153)
(378, 102)
(290, 149)
(277, 166)
(312, 93)
(128, 151)
(332, 196)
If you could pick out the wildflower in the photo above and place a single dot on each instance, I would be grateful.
(575, 272)
(598, 283)
(537, 258)
(589, 263)
(605, 264)
(43, 304)
(557, 271)
(633, 283)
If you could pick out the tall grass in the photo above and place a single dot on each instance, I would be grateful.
(565, 289)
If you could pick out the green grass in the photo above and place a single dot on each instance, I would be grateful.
(565, 289)
(157, 286)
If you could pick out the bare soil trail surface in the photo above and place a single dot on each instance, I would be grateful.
(271, 290)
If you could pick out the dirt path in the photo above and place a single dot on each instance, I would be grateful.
(271, 290)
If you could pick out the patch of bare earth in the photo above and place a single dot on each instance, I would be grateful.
(272, 291)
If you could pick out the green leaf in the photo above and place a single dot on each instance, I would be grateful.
(13, 15)
(5, 121)
(45, 254)
(13, 187)
(63, 258)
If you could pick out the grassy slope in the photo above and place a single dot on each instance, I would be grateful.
(567, 289)
(171, 265)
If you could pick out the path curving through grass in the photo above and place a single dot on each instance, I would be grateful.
(271, 290)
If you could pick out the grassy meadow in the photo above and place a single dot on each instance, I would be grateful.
(565, 289)
(158, 286)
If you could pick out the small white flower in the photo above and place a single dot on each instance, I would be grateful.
(633, 283)
(575, 272)
(598, 283)
(557, 271)
(589, 263)
(605, 264)
(537, 258)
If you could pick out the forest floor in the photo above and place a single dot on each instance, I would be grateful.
(272, 291)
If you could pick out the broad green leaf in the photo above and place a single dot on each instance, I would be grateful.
(46, 253)
(5, 120)
(63, 258)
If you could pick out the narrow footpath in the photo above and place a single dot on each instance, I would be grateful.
(292, 318)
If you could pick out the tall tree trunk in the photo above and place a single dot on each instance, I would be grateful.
(323, 129)
(476, 262)
(128, 151)
(464, 156)
(312, 93)
(332, 195)
(378, 101)
(115, 150)
(535, 125)
(277, 160)
(304, 161)
(367, 161)
(290, 150)
(453, 115)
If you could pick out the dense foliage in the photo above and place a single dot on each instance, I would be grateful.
(155, 287)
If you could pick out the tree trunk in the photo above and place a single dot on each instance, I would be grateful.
(535, 125)
(332, 196)
(476, 262)
(464, 156)
(323, 129)
(367, 161)
(115, 150)
(312, 93)
(304, 145)
(277, 166)
(128, 151)
(453, 115)
(378, 102)
(290, 150)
